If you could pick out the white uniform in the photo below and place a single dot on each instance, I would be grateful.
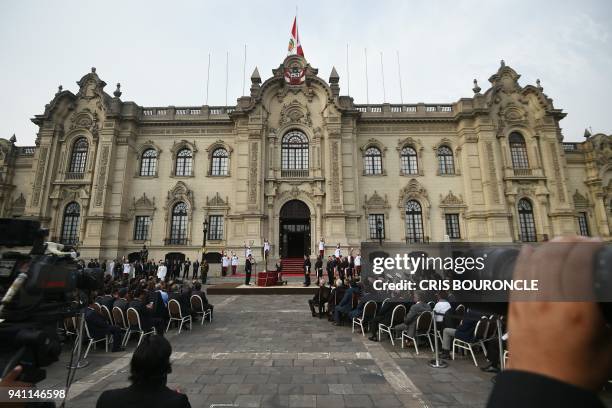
(321, 245)
(225, 261)
(234, 260)
(162, 270)
(358, 260)
(338, 253)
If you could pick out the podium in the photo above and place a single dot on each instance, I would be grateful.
(267, 278)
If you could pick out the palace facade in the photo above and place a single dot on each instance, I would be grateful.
(295, 161)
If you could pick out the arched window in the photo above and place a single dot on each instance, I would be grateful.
(70, 224)
(178, 225)
(518, 151)
(294, 154)
(219, 164)
(408, 162)
(526, 221)
(78, 159)
(446, 163)
(184, 163)
(148, 164)
(372, 161)
(414, 222)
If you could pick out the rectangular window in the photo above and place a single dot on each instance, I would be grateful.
(374, 221)
(215, 227)
(583, 224)
(141, 227)
(452, 226)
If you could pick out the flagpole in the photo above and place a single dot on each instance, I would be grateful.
(226, 73)
(244, 69)
(207, 78)
(382, 70)
(348, 76)
(365, 51)
(399, 75)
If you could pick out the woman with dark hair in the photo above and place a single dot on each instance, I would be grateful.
(149, 370)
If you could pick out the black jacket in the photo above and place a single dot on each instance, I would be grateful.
(98, 327)
(133, 396)
(527, 390)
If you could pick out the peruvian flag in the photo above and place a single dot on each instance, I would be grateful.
(294, 42)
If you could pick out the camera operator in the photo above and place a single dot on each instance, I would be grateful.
(560, 352)
(149, 370)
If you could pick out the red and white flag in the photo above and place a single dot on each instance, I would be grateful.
(294, 42)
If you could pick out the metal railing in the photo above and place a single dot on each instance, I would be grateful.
(75, 175)
(294, 173)
(523, 172)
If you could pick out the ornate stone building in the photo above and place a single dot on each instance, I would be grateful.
(295, 161)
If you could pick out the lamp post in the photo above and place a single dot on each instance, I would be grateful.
(205, 230)
(379, 232)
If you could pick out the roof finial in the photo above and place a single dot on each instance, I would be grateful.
(93, 70)
(117, 92)
(587, 134)
(540, 87)
(476, 88)
(60, 88)
(502, 63)
(13, 139)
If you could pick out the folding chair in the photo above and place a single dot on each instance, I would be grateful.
(97, 307)
(422, 329)
(133, 319)
(121, 323)
(397, 317)
(174, 311)
(479, 332)
(197, 305)
(107, 314)
(369, 311)
(91, 341)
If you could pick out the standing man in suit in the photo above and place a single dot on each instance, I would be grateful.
(196, 269)
(306, 270)
(248, 268)
(204, 269)
(99, 327)
(330, 270)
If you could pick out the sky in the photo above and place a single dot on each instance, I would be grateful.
(159, 50)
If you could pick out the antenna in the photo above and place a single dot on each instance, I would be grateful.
(399, 76)
(365, 51)
(244, 70)
(226, 74)
(382, 71)
(207, 78)
(348, 77)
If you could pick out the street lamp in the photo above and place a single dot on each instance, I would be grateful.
(379, 232)
(205, 230)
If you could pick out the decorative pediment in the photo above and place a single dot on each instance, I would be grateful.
(85, 119)
(409, 141)
(178, 145)
(180, 192)
(506, 79)
(217, 201)
(149, 144)
(293, 194)
(414, 190)
(580, 200)
(294, 113)
(513, 114)
(143, 203)
(451, 200)
(376, 201)
(373, 143)
(91, 86)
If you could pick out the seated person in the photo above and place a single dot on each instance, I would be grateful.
(465, 332)
(414, 312)
(99, 327)
(384, 316)
(121, 302)
(319, 299)
(145, 311)
(198, 291)
(346, 304)
(358, 311)
(149, 371)
(107, 299)
(441, 307)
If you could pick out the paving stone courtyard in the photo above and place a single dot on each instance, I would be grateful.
(267, 351)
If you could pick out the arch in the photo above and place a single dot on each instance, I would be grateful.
(219, 162)
(78, 156)
(518, 151)
(148, 163)
(446, 160)
(372, 161)
(295, 209)
(294, 152)
(414, 221)
(294, 229)
(71, 223)
(527, 229)
(178, 224)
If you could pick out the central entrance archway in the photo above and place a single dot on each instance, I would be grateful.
(294, 229)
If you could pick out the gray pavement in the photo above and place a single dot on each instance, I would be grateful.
(267, 351)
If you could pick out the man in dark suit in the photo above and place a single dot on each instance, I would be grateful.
(319, 299)
(383, 316)
(414, 312)
(196, 269)
(121, 302)
(198, 291)
(346, 304)
(330, 266)
(149, 371)
(99, 327)
(248, 268)
(108, 299)
(145, 311)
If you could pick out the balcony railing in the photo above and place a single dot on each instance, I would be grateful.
(570, 147)
(75, 175)
(523, 172)
(176, 241)
(294, 173)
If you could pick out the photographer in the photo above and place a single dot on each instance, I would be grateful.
(560, 352)
(149, 370)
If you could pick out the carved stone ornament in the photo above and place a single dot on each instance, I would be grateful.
(180, 192)
(414, 190)
(451, 200)
(216, 201)
(86, 119)
(580, 200)
(376, 201)
(19, 205)
(295, 113)
(143, 203)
